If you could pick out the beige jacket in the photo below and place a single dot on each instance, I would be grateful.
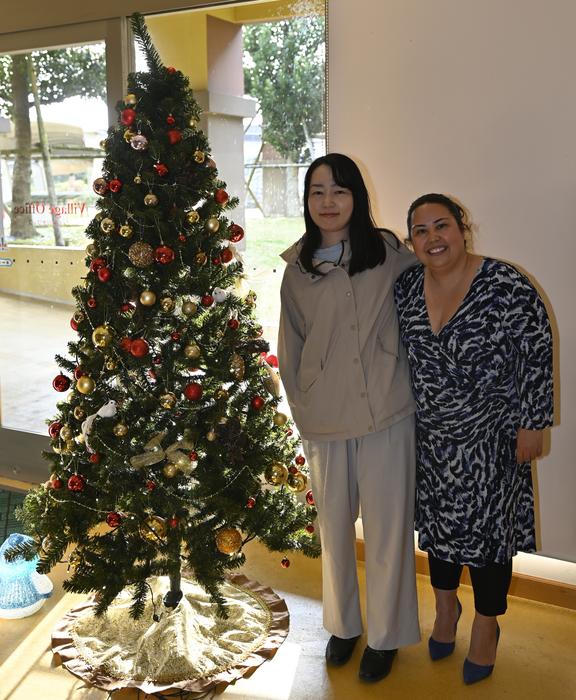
(341, 360)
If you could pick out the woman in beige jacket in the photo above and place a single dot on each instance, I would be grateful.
(346, 378)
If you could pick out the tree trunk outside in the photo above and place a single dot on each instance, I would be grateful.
(21, 215)
(292, 195)
(45, 148)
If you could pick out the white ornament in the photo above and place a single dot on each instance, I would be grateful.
(108, 410)
(219, 295)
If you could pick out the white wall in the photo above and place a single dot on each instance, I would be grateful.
(476, 99)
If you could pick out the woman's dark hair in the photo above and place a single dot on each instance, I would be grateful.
(457, 211)
(367, 245)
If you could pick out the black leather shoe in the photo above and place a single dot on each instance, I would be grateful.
(376, 664)
(339, 650)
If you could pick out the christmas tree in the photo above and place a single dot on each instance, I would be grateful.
(169, 453)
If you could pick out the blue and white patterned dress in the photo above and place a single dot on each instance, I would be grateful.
(484, 374)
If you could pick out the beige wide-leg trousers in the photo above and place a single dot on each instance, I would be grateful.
(375, 472)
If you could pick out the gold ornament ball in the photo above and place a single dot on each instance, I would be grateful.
(212, 224)
(79, 413)
(107, 225)
(91, 249)
(126, 231)
(297, 482)
(101, 336)
(102, 144)
(192, 217)
(66, 433)
(199, 156)
(192, 351)
(85, 385)
(78, 316)
(111, 364)
(228, 540)
(120, 429)
(150, 200)
(141, 254)
(280, 419)
(130, 100)
(128, 134)
(168, 400)
(169, 470)
(153, 528)
(147, 298)
(167, 304)
(276, 474)
(222, 395)
(137, 180)
(56, 449)
(237, 366)
(211, 436)
(201, 258)
(70, 445)
(189, 308)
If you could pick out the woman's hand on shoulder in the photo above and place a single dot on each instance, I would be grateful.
(528, 445)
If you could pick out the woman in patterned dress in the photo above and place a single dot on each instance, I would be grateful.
(480, 351)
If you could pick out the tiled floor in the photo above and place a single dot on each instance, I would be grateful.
(536, 656)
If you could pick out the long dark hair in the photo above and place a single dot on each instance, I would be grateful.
(367, 246)
(457, 210)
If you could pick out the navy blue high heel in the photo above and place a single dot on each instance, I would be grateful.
(440, 650)
(475, 672)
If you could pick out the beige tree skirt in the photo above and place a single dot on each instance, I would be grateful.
(188, 649)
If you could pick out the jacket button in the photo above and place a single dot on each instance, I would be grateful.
(348, 294)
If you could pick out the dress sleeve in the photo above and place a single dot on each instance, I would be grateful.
(291, 337)
(528, 326)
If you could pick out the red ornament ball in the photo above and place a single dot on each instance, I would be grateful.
(285, 563)
(310, 528)
(251, 502)
(174, 136)
(235, 233)
(128, 116)
(234, 324)
(139, 347)
(115, 185)
(79, 372)
(104, 274)
(61, 382)
(226, 255)
(97, 263)
(76, 483)
(126, 344)
(73, 324)
(157, 359)
(207, 300)
(257, 403)
(193, 391)
(150, 485)
(289, 432)
(91, 303)
(170, 120)
(272, 360)
(221, 196)
(160, 169)
(182, 238)
(292, 469)
(310, 498)
(54, 429)
(216, 261)
(175, 336)
(94, 458)
(173, 522)
(127, 306)
(55, 483)
(171, 70)
(164, 255)
(193, 456)
(300, 460)
(113, 519)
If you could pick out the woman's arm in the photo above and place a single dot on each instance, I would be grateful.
(291, 338)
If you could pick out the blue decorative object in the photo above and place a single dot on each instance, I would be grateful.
(23, 590)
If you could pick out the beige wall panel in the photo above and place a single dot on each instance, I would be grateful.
(475, 99)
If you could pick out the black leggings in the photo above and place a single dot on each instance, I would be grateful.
(490, 583)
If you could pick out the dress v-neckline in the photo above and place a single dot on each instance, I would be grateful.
(460, 305)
